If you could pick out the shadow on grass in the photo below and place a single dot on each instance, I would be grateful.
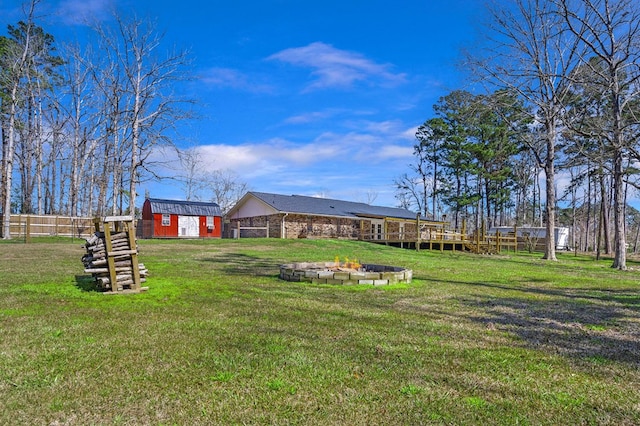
(582, 331)
(243, 264)
(586, 324)
(566, 260)
(86, 283)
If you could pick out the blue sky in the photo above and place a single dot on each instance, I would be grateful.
(317, 98)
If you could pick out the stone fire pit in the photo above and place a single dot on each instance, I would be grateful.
(329, 273)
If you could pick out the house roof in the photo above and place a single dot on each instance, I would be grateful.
(184, 208)
(328, 207)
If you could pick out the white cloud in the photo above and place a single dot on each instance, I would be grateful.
(333, 67)
(410, 134)
(383, 127)
(395, 151)
(316, 116)
(328, 150)
(388, 129)
(372, 147)
(234, 157)
(311, 117)
(228, 77)
(350, 140)
(255, 159)
(364, 157)
(84, 12)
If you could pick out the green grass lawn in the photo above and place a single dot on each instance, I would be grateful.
(219, 339)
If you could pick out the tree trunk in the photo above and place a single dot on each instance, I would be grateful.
(39, 140)
(434, 191)
(620, 243)
(101, 206)
(549, 168)
(7, 165)
(604, 214)
(588, 218)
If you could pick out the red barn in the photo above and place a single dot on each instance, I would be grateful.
(180, 219)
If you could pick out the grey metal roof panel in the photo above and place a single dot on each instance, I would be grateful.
(184, 208)
(330, 207)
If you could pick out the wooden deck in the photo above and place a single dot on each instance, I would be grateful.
(443, 240)
(487, 246)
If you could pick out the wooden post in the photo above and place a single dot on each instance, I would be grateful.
(453, 243)
(418, 233)
(238, 234)
(464, 229)
(386, 230)
(27, 231)
(110, 260)
(134, 256)
(126, 224)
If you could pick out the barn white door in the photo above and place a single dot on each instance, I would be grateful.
(188, 226)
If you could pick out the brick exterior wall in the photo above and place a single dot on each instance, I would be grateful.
(301, 226)
(305, 226)
(274, 222)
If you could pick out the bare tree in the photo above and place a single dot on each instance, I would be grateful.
(38, 77)
(151, 109)
(226, 187)
(221, 186)
(15, 62)
(610, 30)
(409, 193)
(108, 81)
(370, 196)
(531, 53)
(81, 117)
(192, 173)
(418, 189)
(56, 120)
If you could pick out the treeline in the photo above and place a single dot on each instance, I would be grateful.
(467, 162)
(79, 122)
(565, 103)
(472, 163)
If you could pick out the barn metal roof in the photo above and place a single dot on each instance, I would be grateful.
(329, 207)
(184, 208)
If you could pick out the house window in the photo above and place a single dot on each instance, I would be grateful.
(166, 220)
(210, 222)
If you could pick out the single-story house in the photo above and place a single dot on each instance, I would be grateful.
(260, 214)
(180, 219)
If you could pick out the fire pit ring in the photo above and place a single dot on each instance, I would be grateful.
(328, 273)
